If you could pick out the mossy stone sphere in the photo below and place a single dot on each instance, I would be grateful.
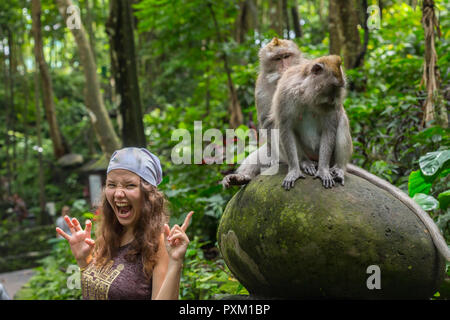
(311, 242)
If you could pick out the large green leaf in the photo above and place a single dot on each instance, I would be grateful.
(444, 199)
(432, 162)
(417, 183)
(444, 172)
(426, 202)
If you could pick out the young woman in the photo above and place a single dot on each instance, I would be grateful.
(135, 255)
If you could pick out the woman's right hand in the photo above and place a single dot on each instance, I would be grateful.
(80, 241)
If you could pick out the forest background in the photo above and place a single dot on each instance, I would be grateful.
(129, 73)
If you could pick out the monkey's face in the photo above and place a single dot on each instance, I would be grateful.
(327, 75)
(280, 61)
(278, 55)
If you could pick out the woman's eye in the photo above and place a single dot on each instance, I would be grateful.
(131, 186)
(110, 185)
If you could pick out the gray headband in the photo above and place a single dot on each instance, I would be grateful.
(139, 161)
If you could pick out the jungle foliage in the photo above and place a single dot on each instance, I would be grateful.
(186, 53)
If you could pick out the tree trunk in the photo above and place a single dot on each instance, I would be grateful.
(276, 16)
(11, 72)
(104, 130)
(262, 18)
(296, 19)
(344, 17)
(241, 22)
(26, 90)
(349, 22)
(284, 6)
(247, 19)
(381, 5)
(59, 147)
(320, 11)
(124, 68)
(26, 93)
(41, 181)
(89, 29)
(431, 74)
(333, 26)
(252, 15)
(360, 58)
(8, 115)
(236, 117)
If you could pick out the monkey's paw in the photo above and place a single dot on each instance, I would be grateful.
(235, 179)
(338, 174)
(326, 177)
(309, 167)
(290, 178)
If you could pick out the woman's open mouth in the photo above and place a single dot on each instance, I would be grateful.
(124, 209)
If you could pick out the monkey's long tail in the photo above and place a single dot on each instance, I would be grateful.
(435, 234)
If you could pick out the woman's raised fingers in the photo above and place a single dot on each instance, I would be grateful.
(88, 228)
(175, 230)
(76, 224)
(177, 238)
(186, 221)
(63, 234)
(69, 223)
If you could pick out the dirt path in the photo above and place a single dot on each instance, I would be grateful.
(13, 281)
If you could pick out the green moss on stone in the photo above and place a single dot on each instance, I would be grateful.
(311, 242)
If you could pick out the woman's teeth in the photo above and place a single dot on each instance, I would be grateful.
(122, 204)
(124, 208)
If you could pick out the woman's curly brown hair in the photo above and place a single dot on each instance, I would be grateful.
(147, 230)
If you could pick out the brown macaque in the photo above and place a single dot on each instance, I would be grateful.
(274, 59)
(307, 109)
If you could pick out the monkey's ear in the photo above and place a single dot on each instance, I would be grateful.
(275, 41)
(337, 60)
(317, 68)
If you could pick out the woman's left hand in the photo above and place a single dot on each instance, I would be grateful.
(176, 240)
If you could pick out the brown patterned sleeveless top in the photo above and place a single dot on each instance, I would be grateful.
(117, 280)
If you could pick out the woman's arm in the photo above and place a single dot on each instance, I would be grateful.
(166, 276)
(167, 272)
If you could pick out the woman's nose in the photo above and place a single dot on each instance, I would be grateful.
(119, 193)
